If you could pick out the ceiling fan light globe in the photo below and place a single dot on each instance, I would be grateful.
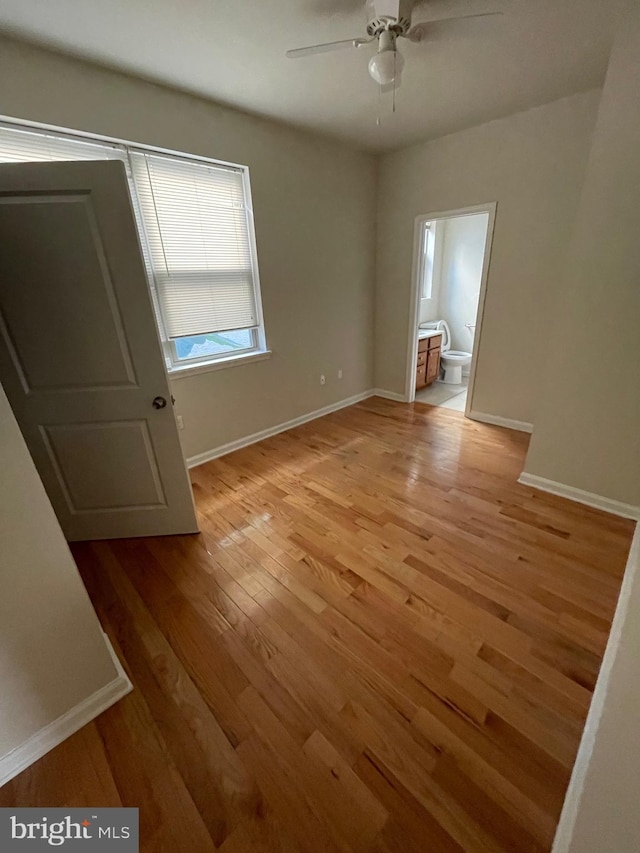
(386, 66)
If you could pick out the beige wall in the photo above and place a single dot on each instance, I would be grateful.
(45, 670)
(532, 164)
(314, 204)
(587, 430)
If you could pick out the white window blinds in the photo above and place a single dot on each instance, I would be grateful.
(23, 146)
(196, 221)
(194, 224)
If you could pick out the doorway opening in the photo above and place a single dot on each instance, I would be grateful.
(450, 269)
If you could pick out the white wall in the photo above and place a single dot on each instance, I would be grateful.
(53, 655)
(587, 427)
(314, 204)
(532, 164)
(461, 275)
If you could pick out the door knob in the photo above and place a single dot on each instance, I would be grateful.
(159, 402)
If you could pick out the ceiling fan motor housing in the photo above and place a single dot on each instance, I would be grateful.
(394, 15)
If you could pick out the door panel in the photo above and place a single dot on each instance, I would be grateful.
(78, 300)
(79, 353)
(85, 459)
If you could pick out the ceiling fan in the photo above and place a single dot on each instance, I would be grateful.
(387, 20)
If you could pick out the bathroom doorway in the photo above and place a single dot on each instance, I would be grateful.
(450, 269)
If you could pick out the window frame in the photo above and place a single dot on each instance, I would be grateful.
(176, 367)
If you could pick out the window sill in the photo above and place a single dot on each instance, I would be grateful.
(218, 364)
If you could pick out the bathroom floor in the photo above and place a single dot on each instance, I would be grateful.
(448, 396)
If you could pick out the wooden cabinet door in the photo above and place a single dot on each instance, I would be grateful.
(433, 366)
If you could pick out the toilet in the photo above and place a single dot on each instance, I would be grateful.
(451, 361)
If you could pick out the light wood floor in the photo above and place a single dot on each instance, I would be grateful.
(380, 642)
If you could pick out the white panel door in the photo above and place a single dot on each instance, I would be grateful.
(80, 358)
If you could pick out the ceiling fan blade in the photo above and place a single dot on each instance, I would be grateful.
(326, 48)
(418, 32)
(463, 17)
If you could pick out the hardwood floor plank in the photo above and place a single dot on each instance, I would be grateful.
(504, 793)
(411, 827)
(380, 642)
(147, 778)
(76, 774)
(302, 795)
(346, 800)
(194, 643)
(215, 778)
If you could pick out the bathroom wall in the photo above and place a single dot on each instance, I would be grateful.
(461, 275)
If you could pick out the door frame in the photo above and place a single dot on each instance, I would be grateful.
(414, 309)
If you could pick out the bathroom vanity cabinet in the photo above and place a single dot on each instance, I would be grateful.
(428, 361)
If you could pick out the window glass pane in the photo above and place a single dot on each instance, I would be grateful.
(212, 344)
(429, 247)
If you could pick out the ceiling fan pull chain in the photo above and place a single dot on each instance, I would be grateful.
(379, 96)
(395, 77)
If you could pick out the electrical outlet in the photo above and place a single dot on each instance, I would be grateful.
(179, 421)
(340, 373)
(322, 379)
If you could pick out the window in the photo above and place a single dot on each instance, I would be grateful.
(196, 232)
(190, 347)
(427, 256)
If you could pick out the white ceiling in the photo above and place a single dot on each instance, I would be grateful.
(232, 51)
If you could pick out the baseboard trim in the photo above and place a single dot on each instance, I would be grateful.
(50, 736)
(389, 395)
(496, 420)
(223, 449)
(580, 496)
